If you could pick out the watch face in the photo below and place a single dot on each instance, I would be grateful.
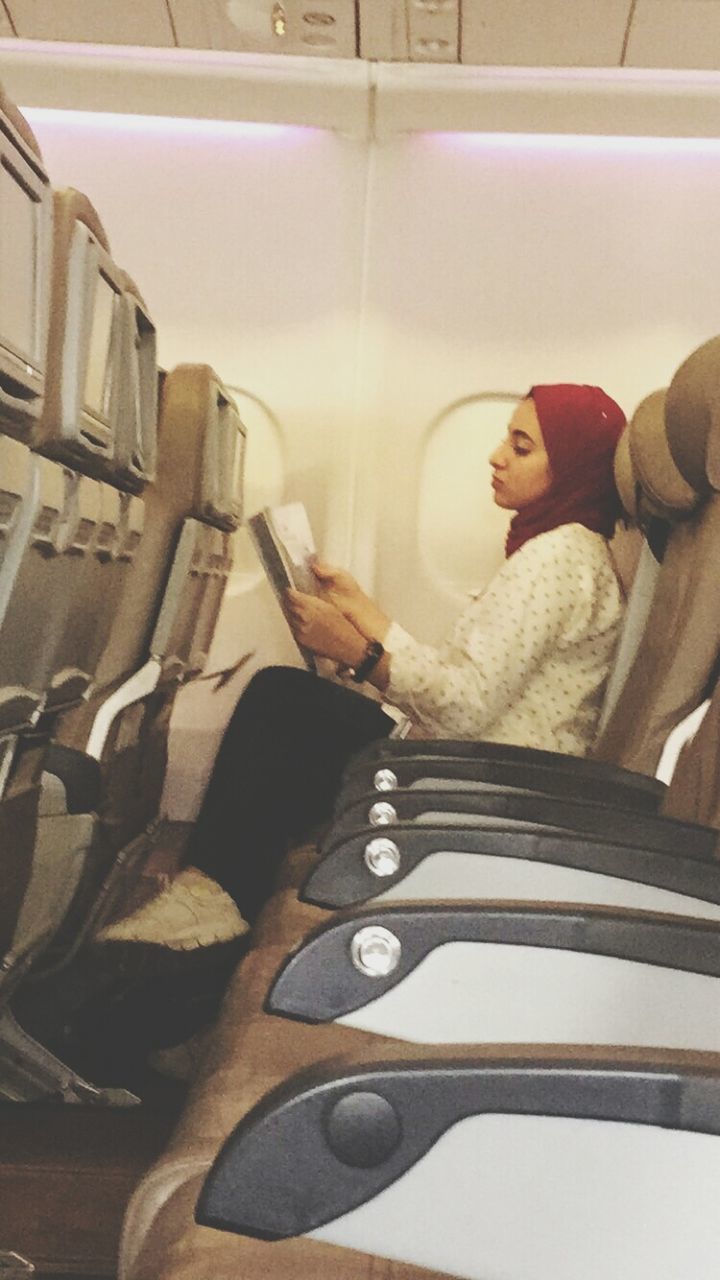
(373, 654)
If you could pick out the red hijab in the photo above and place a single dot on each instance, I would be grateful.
(580, 428)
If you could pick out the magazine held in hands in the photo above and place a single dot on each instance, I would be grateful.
(284, 542)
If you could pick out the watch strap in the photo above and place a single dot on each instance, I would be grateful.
(373, 653)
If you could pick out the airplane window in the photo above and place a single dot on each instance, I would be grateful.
(460, 531)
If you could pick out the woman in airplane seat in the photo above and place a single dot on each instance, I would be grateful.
(526, 662)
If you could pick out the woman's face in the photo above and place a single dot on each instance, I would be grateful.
(521, 470)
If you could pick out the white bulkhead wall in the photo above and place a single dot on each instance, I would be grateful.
(365, 293)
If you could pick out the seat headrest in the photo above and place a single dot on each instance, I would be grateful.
(647, 478)
(626, 481)
(72, 206)
(19, 124)
(129, 286)
(692, 417)
(201, 437)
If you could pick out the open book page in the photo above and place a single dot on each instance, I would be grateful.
(285, 544)
(292, 531)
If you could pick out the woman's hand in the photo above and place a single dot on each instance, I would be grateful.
(339, 588)
(319, 626)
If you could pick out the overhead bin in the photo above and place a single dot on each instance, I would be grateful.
(102, 23)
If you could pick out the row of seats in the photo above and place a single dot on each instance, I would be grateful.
(476, 1031)
(120, 489)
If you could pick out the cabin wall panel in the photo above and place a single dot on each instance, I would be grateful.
(497, 262)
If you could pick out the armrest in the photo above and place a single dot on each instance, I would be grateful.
(386, 750)
(624, 826)
(80, 775)
(355, 957)
(367, 862)
(335, 1136)
(467, 772)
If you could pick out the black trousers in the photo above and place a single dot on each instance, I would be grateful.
(276, 776)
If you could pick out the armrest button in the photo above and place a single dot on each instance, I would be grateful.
(382, 856)
(375, 951)
(363, 1129)
(382, 814)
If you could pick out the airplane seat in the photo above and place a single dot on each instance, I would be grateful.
(667, 680)
(163, 636)
(33, 535)
(276, 1073)
(160, 1236)
(202, 413)
(653, 521)
(25, 269)
(299, 1007)
(369, 1151)
(89, 427)
(93, 448)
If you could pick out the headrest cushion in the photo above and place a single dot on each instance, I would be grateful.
(692, 417)
(625, 478)
(636, 504)
(665, 489)
(72, 206)
(19, 123)
(129, 286)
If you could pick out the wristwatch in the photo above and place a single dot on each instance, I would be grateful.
(372, 655)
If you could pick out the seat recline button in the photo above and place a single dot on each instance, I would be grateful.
(382, 856)
(363, 1129)
(385, 780)
(382, 814)
(375, 951)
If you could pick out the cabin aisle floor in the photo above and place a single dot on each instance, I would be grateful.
(66, 1175)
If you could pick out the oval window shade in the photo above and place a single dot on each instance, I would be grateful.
(461, 533)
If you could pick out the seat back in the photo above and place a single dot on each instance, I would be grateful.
(679, 647)
(85, 532)
(200, 470)
(100, 421)
(200, 411)
(25, 246)
(94, 447)
(30, 499)
(162, 629)
(30, 492)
